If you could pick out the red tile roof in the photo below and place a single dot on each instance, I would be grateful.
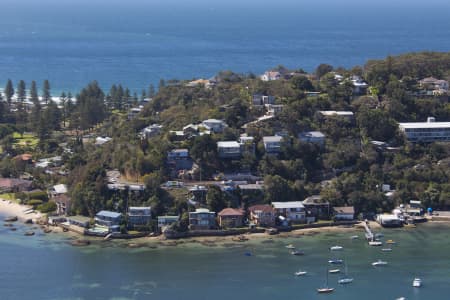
(262, 207)
(231, 212)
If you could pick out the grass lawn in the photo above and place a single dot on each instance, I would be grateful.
(25, 140)
(8, 196)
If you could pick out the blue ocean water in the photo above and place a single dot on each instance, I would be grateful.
(138, 42)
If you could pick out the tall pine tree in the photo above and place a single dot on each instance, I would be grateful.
(46, 91)
(9, 91)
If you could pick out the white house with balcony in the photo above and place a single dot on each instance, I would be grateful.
(293, 211)
(427, 132)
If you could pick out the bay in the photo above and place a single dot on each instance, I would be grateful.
(47, 267)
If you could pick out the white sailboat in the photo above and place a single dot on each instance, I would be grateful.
(326, 289)
(346, 279)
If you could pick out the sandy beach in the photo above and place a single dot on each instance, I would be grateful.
(10, 208)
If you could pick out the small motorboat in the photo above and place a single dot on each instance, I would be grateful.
(401, 298)
(290, 246)
(386, 249)
(336, 248)
(297, 252)
(417, 282)
(379, 263)
(390, 242)
(375, 243)
(354, 237)
(335, 261)
(334, 271)
(300, 273)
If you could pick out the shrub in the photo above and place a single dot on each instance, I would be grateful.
(47, 207)
(35, 202)
(41, 195)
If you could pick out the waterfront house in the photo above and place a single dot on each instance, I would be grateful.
(260, 99)
(79, 221)
(165, 221)
(216, 126)
(291, 211)
(138, 216)
(202, 219)
(231, 218)
(272, 144)
(228, 149)
(389, 220)
(316, 209)
(427, 132)
(262, 215)
(344, 213)
(315, 137)
(109, 219)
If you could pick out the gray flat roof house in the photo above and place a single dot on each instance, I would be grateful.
(316, 137)
(272, 144)
(228, 149)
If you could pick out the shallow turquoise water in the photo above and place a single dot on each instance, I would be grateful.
(46, 267)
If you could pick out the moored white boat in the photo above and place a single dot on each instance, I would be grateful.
(336, 248)
(379, 263)
(346, 280)
(290, 246)
(336, 261)
(354, 237)
(386, 249)
(417, 282)
(375, 243)
(300, 273)
(325, 289)
(334, 271)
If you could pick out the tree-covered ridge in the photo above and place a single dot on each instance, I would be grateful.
(349, 169)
